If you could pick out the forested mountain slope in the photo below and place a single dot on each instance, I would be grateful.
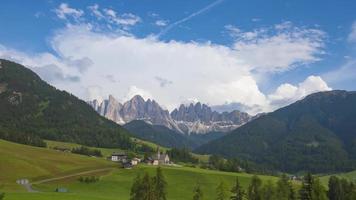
(32, 110)
(316, 134)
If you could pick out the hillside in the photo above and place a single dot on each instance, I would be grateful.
(167, 137)
(316, 134)
(158, 134)
(36, 164)
(32, 110)
(22, 161)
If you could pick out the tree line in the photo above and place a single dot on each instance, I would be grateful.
(87, 151)
(149, 188)
(155, 188)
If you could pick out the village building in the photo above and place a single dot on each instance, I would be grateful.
(119, 157)
(135, 161)
(159, 159)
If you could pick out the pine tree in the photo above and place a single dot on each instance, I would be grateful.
(348, 190)
(292, 194)
(312, 189)
(237, 191)
(254, 189)
(136, 189)
(197, 193)
(147, 188)
(319, 192)
(160, 185)
(222, 191)
(335, 188)
(306, 192)
(284, 190)
(268, 191)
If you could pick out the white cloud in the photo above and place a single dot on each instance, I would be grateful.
(213, 74)
(95, 11)
(161, 22)
(64, 11)
(133, 90)
(125, 19)
(352, 35)
(278, 49)
(286, 93)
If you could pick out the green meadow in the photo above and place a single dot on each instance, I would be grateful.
(116, 185)
(21, 161)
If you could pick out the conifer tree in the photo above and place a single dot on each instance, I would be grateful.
(197, 192)
(306, 192)
(254, 189)
(335, 188)
(160, 185)
(237, 191)
(136, 189)
(319, 192)
(312, 189)
(284, 190)
(268, 191)
(222, 191)
(2, 195)
(147, 188)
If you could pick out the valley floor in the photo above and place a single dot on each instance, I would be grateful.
(38, 164)
(48, 169)
(116, 184)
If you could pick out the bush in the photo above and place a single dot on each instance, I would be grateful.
(86, 151)
(2, 195)
(88, 179)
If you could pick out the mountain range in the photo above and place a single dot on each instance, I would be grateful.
(316, 134)
(187, 119)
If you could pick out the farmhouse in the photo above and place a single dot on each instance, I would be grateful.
(119, 157)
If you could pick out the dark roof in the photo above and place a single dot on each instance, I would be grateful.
(119, 154)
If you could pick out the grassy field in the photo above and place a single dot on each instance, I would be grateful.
(104, 151)
(21, 161)
(351, 176)
(116, 185)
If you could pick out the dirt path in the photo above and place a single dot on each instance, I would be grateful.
(72, 175)
(29, 188)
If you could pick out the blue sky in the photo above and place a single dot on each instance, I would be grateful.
(281, 50)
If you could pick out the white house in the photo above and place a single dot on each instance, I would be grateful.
(135, 161)
(119, 157)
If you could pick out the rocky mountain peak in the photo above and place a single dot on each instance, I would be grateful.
(192, 118)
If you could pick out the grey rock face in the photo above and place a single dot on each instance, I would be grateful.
(198, 118)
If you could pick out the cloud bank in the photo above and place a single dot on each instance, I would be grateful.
(93, 64)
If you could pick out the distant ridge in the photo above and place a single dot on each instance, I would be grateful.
(194, 118)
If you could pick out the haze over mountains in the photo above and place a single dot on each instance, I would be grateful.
(194, 118)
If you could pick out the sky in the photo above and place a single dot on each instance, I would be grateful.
(251, 55)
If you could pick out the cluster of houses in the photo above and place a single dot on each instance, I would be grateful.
(157, 159)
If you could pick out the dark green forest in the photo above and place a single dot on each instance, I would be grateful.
(32, 110)
(316, 134)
